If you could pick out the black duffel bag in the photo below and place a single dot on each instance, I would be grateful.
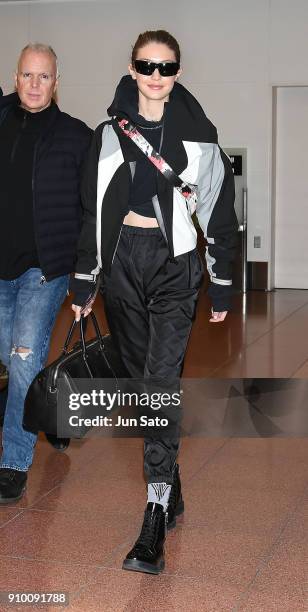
(96, 358)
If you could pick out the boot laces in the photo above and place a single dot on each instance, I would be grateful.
(149, 529)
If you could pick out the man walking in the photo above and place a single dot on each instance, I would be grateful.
(41, 155)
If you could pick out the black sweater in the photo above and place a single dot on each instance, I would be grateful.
(58, 158)
(144, 185)
(18, 136)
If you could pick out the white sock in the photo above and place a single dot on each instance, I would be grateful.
(158, 493)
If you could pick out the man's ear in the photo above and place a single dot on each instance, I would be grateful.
(56, 85)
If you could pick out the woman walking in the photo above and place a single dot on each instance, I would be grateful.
(138, 230)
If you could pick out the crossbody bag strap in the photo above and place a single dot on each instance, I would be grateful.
(188, 191)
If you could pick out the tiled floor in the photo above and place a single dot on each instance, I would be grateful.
(242, 544)
(264, 336)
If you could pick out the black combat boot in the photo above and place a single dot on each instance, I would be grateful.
(176, 502)
(12, 485)
(147, 555)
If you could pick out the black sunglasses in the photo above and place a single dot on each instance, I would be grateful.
(166, 69)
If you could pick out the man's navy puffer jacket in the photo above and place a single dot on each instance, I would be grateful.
(57, 168)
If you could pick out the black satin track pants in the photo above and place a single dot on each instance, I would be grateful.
(150, 304)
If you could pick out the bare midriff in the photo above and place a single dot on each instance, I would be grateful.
(136, 220)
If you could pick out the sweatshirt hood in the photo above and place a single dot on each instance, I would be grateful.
(125, 101)
(183, 113)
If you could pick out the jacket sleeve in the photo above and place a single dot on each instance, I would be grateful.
(218, 221)
(84, 281)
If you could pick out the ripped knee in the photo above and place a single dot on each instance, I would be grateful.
(22, 351)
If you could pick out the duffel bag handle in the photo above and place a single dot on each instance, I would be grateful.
(82, 328)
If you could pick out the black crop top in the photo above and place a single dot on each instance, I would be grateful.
(144, 181)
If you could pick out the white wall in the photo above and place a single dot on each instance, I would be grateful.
(233, 53)
(291, 235)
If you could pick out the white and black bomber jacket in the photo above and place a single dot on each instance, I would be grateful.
(190, 147)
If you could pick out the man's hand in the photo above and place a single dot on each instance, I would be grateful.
(218, 317)
(78, 310)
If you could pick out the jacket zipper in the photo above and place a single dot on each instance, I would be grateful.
(157, 171)
(115, 250)
(118, 240)
(43, 278)
(164, 221)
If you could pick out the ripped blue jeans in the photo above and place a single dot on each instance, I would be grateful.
(28, 311)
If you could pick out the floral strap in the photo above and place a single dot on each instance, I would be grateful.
(188, 191)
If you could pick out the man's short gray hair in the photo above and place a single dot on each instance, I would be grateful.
(40, 48)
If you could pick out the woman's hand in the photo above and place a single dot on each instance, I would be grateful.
(78, 310)
(218, 317)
